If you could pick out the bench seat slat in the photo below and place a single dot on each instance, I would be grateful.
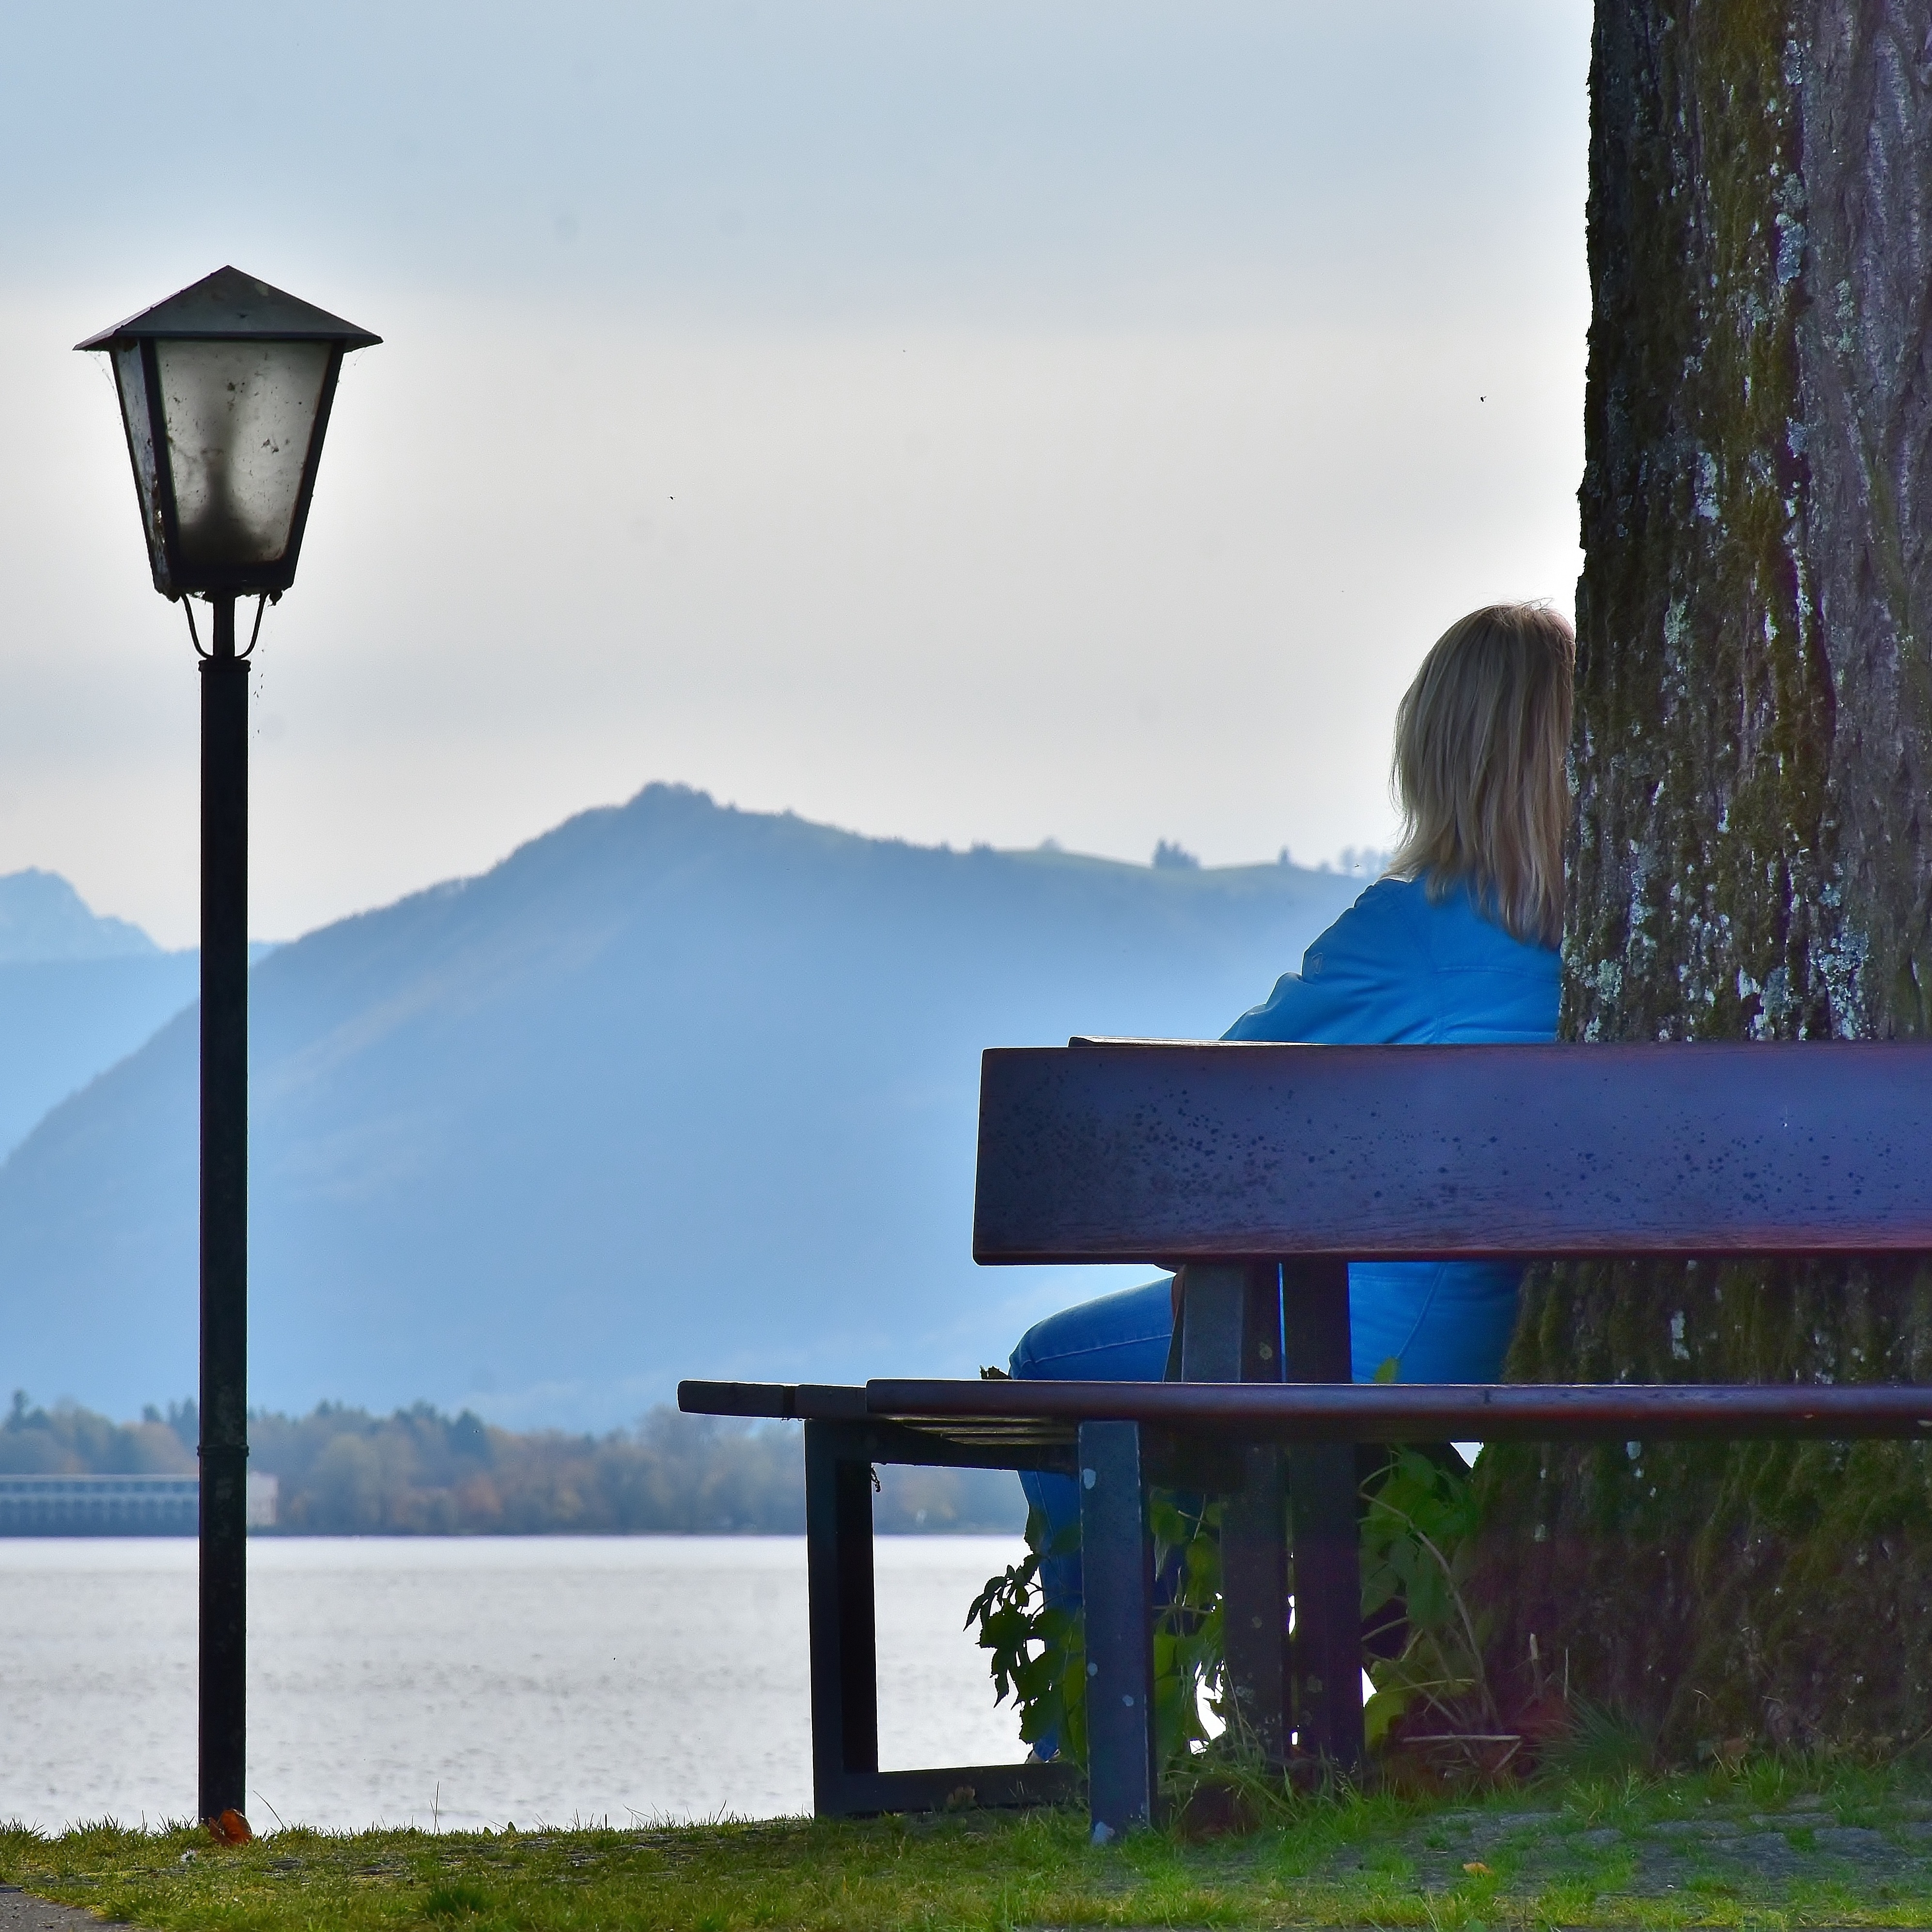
(1425, 1411)
(785, 1401)
(1165, 1152)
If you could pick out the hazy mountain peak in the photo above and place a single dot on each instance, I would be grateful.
(42, 917)
(674, 1089)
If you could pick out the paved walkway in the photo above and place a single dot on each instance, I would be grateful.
(22, 1912)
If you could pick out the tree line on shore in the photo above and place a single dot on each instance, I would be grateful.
(419, 1472)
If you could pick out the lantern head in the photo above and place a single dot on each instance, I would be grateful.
(225, 391)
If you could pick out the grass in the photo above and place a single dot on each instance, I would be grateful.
(1773, 1844)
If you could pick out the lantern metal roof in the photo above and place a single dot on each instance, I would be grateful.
(229, 305)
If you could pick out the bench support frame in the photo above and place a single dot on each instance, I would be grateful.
(846, 1781)
(1275, 1322)
(1257, 1320)
(1231, 1331)
(1322, 1491)
(1117, 1585)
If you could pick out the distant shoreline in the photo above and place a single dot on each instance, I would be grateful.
(339, 1471)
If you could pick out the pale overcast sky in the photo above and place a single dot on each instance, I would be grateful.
(957, 419)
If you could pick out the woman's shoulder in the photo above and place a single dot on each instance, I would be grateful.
(1396, 917)
(1460, 933)
(1386, 921)
(1401, 931)
(1401, 965)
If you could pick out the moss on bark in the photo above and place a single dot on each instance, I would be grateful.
(1753, 732)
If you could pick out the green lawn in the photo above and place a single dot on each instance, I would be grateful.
(1775, 1845)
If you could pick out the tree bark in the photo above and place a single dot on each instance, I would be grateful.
(1752, 742)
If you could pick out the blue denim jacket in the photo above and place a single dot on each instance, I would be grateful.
(1400, 969)
(1397, 968)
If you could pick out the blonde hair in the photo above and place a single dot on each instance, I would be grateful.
(1480, 737)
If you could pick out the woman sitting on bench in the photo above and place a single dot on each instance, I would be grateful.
(1457, 943)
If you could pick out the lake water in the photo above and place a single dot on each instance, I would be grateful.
(473, 1680)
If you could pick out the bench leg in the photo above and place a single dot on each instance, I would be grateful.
(1254, 1599)
(845, 1652)
(1117, 1566)
(1231, 1331)
(1327, 1645)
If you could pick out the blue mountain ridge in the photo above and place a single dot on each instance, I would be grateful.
(43, 919)
(673, 1090)
(78, 991)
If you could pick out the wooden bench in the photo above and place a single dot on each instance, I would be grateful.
(1261, 1171)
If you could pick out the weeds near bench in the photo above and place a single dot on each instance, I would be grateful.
(1037, 1650)
(1418, 1516)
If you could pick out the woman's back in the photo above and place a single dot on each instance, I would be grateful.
(1399, 968)
(1460, 949)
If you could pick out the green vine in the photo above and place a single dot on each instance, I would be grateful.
(1418, 1516)
(1038, 1651)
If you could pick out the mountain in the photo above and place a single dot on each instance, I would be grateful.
(673, 1090)
(78, 991)
(42, 918)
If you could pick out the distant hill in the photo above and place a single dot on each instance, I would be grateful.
(675, 1089)
(42, 918)
(78, 991)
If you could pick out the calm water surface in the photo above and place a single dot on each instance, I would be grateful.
(473, 1680)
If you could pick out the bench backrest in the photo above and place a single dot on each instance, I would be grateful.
(1127, 1151)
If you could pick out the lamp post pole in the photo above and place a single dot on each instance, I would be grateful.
(225, 390)
(225, 1218)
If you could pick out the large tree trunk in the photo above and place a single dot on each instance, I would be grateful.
(1752, 746)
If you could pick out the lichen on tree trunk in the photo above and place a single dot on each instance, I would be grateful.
(1753, 740)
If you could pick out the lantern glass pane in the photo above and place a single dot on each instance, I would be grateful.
(131, 379)
(239, 415)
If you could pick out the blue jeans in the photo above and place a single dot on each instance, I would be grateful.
(1438, 1321)
(1116, 1338)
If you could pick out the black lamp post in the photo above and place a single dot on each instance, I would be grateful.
(225, 392)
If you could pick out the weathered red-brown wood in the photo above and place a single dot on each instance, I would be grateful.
(1425, 1411)
(1132, 1151)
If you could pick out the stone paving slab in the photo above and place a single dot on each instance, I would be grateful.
(22, 1912)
